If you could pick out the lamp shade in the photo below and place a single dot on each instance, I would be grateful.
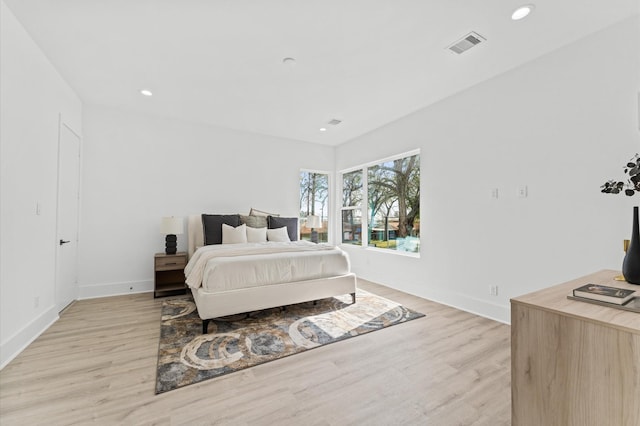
(313, 221)
(171, 225)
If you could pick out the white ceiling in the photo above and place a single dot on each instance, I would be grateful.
(366, 62)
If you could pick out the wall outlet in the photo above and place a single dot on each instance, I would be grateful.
(523, 191)
(493, 290)
(495, 193)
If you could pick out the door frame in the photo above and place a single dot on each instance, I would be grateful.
(68, 127)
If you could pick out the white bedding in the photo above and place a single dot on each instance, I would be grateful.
(225, 267)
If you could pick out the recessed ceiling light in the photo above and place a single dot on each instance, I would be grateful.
(323, 129)
(522, 12)
(289, 61)
(146, 92)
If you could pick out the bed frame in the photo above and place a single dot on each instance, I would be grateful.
(223, 303)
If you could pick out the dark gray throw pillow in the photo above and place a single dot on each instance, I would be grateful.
(212, 226)
(290, 222)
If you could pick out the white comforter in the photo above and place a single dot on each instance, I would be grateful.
(225, 267)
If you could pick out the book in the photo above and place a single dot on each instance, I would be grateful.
(603, 293)
(632, 305)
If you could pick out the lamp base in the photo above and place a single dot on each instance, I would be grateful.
(171, 244)
(314, 236)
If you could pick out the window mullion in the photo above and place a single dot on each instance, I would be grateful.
(364, 207)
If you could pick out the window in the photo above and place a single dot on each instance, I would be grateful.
(387, 194)
(314, 196)
(351, 207)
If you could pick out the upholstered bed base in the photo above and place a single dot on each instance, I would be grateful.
(222, 303)
(214, 305)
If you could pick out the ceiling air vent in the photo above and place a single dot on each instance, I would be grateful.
(334, 122)
(466, 43)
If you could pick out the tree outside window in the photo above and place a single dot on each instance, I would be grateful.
(314, 196)
(352, 194)
(392, 204)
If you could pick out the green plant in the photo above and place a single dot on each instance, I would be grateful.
(384, 244)
(633, 183)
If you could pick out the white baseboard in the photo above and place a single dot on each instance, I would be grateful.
(11, 347)
(114, 289)
(480, 307)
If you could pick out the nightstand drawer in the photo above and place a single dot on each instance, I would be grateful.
(169, 262)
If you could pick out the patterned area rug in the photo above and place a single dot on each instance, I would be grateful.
(186, 356)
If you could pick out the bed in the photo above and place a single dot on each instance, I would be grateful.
(227, 279)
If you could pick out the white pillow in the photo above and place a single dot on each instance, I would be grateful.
(256, 235)
(231, 235)
(278, 235)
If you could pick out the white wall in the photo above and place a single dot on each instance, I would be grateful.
(32, 96)
(138, 168)
(561, 125)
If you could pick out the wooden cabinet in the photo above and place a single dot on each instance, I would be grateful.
(572, 362)
(169, 274)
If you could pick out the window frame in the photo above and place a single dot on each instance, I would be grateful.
(330, 197)
(364, 204)
(343, 208)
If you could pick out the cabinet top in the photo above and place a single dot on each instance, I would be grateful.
(554, 299)
(180, 253)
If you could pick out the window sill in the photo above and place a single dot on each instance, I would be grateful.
(354, 247)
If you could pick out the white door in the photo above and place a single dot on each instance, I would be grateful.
(68, 203)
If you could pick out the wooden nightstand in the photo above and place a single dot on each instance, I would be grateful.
(169, 274)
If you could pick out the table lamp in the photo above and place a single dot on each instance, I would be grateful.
(171, 226)
(313, 222)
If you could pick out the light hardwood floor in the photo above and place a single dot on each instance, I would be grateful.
(96, 365)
